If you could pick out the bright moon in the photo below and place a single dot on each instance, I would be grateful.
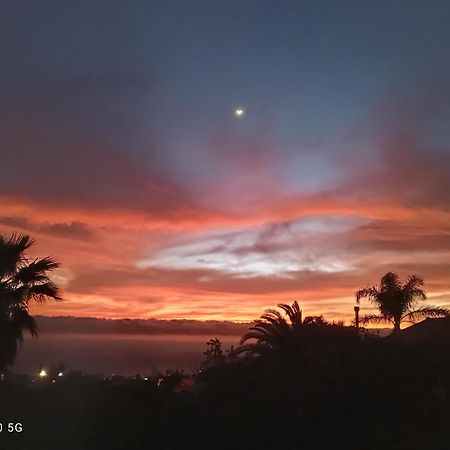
(239, 112)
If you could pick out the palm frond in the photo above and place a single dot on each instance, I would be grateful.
(21, 242)
(412, 291)
(390, 281)
(13, 252)
(22, 320)
(259, 335)
(369, 292)
(293, 312)
(44, 291)
(35, 271)
(13, 296)
(426, 311)
(255, 348)
(374, 318)
(269, 333)
(272, 330)
(273, 315)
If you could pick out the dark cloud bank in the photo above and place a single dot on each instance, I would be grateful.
(91, 325)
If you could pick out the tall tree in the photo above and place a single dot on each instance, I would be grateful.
(22, 280)
(397, 301)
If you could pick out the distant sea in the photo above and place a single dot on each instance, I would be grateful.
(124, 347)
(106, 354)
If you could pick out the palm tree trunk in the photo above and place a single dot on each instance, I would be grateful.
(396, 327)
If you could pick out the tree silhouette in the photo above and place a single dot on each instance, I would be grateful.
(213, 354)
(396, 301)
(22, 280)
(277, 331)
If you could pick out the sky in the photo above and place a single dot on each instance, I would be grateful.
(122, 155)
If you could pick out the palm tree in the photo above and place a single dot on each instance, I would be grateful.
(22, 280)
(396, 301)
(275, 331)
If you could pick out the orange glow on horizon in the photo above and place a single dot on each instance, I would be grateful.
(100, 274)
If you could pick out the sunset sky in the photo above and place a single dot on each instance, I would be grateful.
(122, 155)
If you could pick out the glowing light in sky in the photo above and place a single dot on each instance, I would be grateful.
(239, 112)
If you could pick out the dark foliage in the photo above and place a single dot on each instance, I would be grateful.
(22, 280)
(397, 301)
(341, 392)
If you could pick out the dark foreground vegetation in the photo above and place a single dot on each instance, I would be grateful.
(337, 391)
(294, 383)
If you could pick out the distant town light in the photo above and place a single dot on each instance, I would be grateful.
(43, 373)
(60, 374)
